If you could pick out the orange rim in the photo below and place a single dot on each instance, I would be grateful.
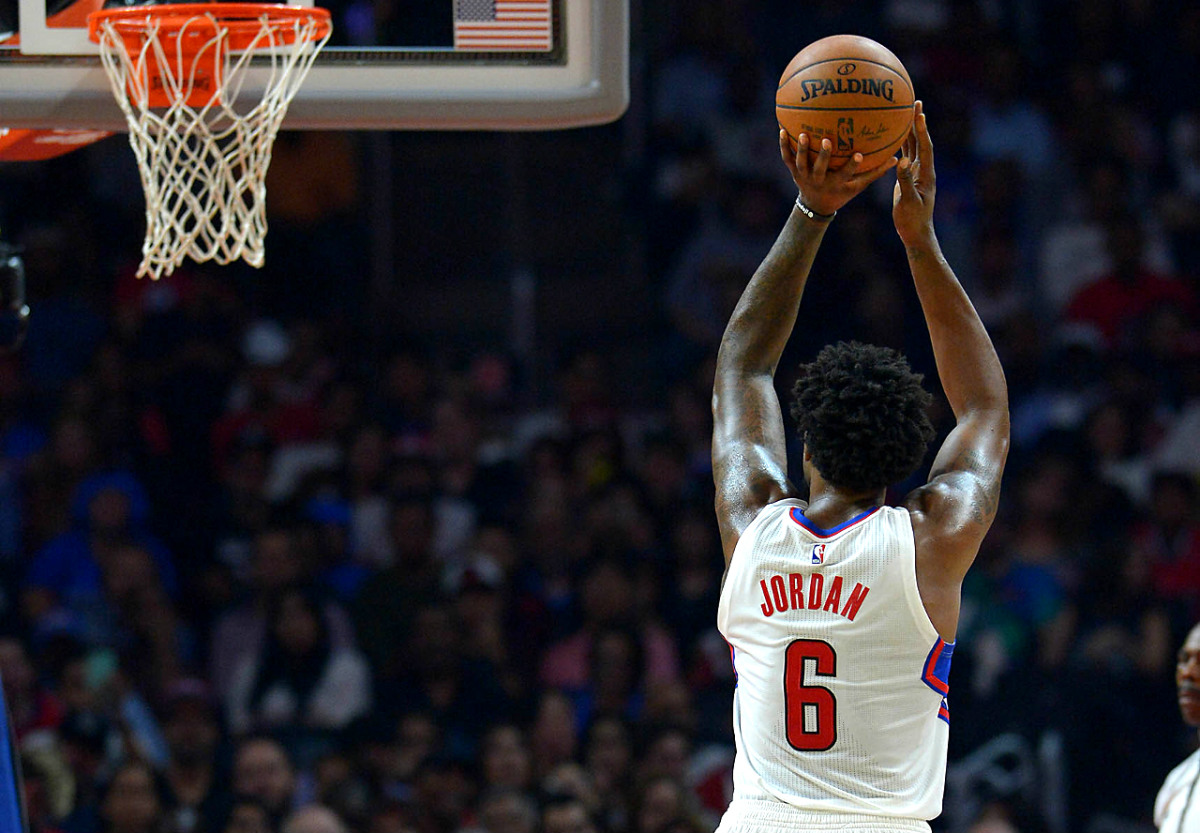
(243, 21)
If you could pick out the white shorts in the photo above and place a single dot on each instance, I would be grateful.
(747, 815)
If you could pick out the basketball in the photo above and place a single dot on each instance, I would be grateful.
(851, 90)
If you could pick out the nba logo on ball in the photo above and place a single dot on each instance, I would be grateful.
(845, 134)
(818, 554)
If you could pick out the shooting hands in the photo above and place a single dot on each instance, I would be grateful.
(821, 189)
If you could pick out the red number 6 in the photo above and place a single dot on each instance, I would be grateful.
(798, 696)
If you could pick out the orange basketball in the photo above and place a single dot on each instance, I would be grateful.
(853, 91)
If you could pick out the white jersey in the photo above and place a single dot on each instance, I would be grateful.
(840, 705)
(1175, 809)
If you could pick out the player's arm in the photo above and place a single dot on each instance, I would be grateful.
(749, 449)
(953, 511)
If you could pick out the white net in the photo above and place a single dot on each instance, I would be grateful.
(202, 146)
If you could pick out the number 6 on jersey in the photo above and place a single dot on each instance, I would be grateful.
(801, 700)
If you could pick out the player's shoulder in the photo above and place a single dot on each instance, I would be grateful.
(928, 497)
(770, 516)
(944, 505)
(1183, 773)
(777, 511)
(1176, 781)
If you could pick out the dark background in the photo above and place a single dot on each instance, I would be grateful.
(427, 499)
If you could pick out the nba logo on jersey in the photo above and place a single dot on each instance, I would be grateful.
(818, 554)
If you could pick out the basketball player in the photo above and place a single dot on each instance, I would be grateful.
(1175, 809)
(840, 611)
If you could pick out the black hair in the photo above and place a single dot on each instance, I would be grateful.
(862, 413)
(299, 673)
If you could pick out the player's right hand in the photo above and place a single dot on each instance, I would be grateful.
(912, 198)
(823, 190)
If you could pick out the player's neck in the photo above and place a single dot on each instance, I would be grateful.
(829, 505)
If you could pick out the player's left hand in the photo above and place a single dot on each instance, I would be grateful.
(916, 183)
(823, 190)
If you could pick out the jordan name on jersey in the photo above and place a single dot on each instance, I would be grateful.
(783, 593)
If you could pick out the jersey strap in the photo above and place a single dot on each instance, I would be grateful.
(936, 674)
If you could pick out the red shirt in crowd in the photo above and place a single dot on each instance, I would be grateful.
(1113, 304)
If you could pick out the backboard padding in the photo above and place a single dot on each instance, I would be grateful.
(584, 82)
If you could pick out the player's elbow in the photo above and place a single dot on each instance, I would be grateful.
(989, 409)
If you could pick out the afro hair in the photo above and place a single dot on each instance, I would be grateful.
(862, 414)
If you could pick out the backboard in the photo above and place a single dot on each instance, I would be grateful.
(393, 64)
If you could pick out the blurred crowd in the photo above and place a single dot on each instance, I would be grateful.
(265, 570)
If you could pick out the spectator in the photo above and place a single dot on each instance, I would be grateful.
(1181, 202)
(443, 795)
(239, 510)
(263, 401)
(504, 810)
(417, 738)
(247, 815)
(109, 510)
(1074, 250)
(1005, 122)
(339, 783)
(313, 819)
(136, 616)
(661, 803)
(711, 268)
(365, 473)
(666, 752)
(1113, 434)
(1169, 542)
(47, 791)
(608, 757)
(194, 781)
(571, 782)
(696, 574)
(263, 773)
(384, 610)
(85, 739)
(554, 736)
(53, 475)
(132, 801)
(998, 292)
(31, 707)
(1114, 302)
(477, 588)
(566, 814)
(607, 599)
(464, 696)
(239, 634)
(1122, 649)
(299, 680)
(615, 680)
(504, 758)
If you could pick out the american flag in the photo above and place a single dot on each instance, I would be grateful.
(502, 25)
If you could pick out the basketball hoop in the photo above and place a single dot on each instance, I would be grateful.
(203, 116)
